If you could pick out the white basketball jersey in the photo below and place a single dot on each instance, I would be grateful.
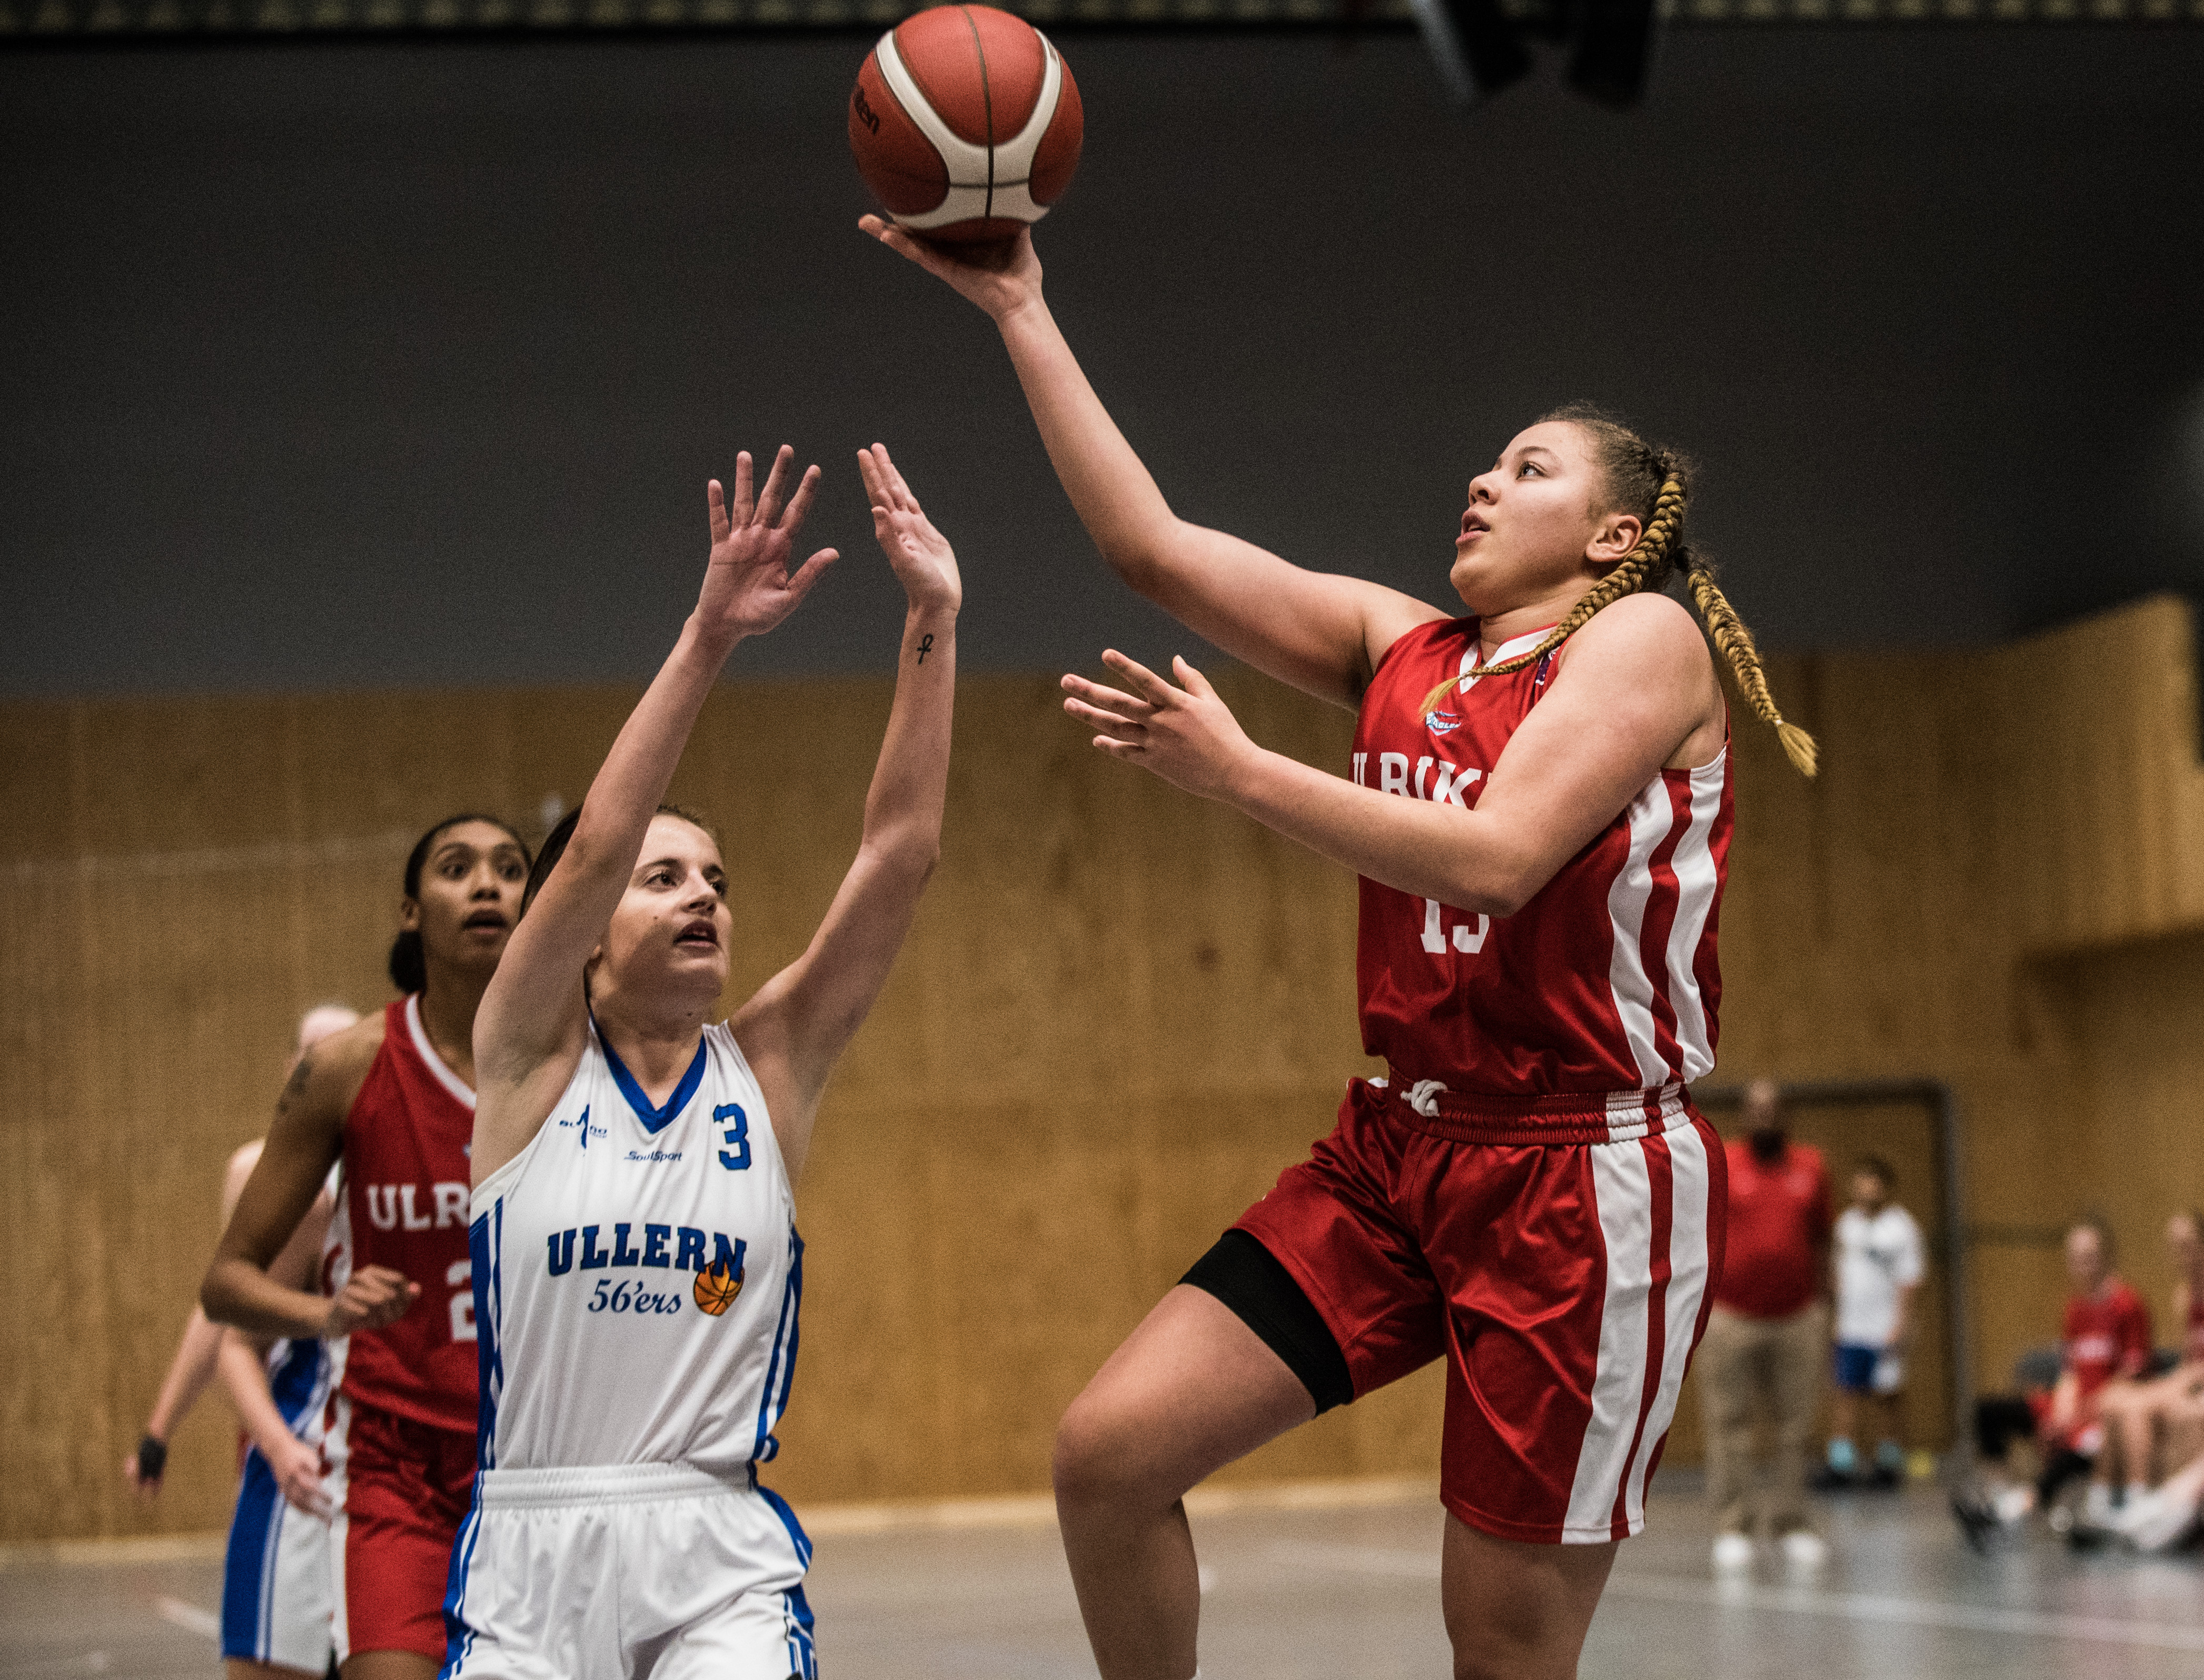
(637, 1274)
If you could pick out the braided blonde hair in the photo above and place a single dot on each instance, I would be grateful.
(1639, 476)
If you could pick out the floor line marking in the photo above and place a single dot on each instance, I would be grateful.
(189, 1617)
(1918, 1612)
(1796, 1601)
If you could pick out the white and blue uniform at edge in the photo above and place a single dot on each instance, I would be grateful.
(266, 1534)
(599, 1253)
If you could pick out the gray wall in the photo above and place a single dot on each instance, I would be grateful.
(403, 363)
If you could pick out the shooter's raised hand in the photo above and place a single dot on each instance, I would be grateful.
(998, 276)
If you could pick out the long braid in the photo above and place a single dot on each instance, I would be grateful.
(1633, 467)
(1743, 658)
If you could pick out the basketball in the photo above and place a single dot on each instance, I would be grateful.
(717, 1287)
(965, 123)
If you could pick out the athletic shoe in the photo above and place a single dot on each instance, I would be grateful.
(1732, 1553)
(2155, 1521)
(1980, 1525)
(1804, 1549)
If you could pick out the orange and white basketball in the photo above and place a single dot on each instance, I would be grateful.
(966, 123)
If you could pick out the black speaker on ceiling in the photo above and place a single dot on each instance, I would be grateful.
(1480, 48)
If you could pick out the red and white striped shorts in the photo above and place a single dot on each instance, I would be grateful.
(1560, 1251)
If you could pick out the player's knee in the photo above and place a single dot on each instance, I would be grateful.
(1095, 1462)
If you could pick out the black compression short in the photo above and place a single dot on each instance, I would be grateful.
(1246, 1276)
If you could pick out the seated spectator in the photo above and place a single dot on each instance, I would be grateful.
(2155, 1425)
(1878, 1272)
(2161, 1517)
(2105, 1335)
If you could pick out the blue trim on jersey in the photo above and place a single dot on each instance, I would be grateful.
(458, 1637)
(781, 1365)
(296, 1379)
(655, 1121)
(796, 1537)
(486, 1258)
(802, 1654)
(248, 1567)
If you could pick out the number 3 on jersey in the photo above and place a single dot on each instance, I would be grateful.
(1434, 939)
(736, 1155)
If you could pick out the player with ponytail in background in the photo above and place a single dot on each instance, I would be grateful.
(1538, 804)
(393, 1099)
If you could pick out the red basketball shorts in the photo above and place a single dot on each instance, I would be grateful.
(1560, 1252)
(402, 1488)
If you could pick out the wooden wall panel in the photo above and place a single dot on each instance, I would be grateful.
(2138, 1013)
(2099, 791)
(1120, 1014)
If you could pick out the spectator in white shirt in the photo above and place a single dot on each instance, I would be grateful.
(1877, 1253)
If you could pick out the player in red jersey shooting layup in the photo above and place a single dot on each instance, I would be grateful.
(393, 1098)
(1539, 809)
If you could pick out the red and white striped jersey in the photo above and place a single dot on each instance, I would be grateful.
(403, 1206)
(1606, 981)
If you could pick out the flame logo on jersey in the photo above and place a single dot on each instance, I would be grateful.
(716, 1287)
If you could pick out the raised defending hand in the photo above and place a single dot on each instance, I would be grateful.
(747, 586)
(924, 563)
(998, 277)
(372, 1297)
(1185, 735)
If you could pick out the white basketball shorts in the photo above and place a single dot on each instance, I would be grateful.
(657, 1569)
(275, 1578)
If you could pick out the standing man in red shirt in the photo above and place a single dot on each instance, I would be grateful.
(1768, 1334)
(2104, 1335)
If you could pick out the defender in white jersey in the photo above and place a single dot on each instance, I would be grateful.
(276, 1600)
(275, 1568)
(636, 1270)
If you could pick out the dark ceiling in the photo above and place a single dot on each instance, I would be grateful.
(340, 364)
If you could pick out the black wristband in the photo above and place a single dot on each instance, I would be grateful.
(152, 1457)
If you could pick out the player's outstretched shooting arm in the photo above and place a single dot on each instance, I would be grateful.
(534, 1019)
(1321, 632)
(798, 1025)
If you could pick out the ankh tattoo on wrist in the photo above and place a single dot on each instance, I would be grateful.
(925, 646)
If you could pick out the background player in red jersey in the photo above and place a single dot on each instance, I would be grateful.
(1539, 809)
(393, 1098)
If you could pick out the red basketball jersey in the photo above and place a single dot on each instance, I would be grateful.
(2106, 1336)
(405, 1206)
(1606, 981)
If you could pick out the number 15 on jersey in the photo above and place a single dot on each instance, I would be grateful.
(1465, 939)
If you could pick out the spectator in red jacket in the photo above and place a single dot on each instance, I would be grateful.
(1768, 1335)
(2105, 1335)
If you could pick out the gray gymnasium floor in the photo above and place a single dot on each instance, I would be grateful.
(1323, 1582)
